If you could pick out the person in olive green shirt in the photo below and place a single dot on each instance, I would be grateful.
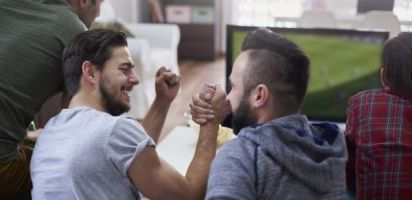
(33, 35)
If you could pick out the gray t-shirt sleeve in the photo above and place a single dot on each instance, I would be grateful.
(231, 174)
(126, 140)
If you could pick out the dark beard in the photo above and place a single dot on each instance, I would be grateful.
(112, 106)
(243, 116)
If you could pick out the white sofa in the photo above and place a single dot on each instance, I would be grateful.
(154, 45)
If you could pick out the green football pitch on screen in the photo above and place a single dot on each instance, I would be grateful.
(340, 67)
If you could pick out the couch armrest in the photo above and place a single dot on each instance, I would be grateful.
(140, 52)
(158, 35)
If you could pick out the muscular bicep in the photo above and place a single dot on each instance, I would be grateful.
(155, 178)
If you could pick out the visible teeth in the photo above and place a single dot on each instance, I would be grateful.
(126, 92)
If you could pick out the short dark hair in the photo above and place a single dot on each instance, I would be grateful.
(279, 64)
(396, 61)
(95, 46)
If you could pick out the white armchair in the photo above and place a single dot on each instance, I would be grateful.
(155, 45)
(163, 40)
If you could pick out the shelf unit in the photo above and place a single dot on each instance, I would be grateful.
(198, 40)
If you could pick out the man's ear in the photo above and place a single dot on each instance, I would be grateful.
(82, 3)
(384, 80)
(260, 95)
(77, 4)
(89, 72)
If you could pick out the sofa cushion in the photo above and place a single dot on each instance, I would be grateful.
(163, 57)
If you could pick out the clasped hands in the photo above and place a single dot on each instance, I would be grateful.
(210, 106)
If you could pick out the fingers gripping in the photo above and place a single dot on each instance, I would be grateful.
(201, 108)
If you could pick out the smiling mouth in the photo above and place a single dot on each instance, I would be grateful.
(126, 90)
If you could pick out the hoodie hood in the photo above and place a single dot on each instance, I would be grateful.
(315, 154)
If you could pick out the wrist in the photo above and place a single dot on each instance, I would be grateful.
(211, 125)
(162, 102)
(209, 130)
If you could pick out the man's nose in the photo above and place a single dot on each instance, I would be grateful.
(134, 79)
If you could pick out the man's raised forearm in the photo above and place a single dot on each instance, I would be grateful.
(198, 171)
(155, 118)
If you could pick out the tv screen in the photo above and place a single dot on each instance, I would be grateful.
(368, 5)
(343, 62)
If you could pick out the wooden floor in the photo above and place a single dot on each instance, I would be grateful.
(194, 74)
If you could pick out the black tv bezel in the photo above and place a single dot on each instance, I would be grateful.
(384, 35)
(364, 6)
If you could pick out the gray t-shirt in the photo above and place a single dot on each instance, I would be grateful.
(85, 154)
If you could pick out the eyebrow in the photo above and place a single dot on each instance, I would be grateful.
(128, 64)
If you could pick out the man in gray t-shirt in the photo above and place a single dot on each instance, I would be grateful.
(88, 151)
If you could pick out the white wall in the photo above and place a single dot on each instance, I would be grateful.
(126, 10)
(225, 18)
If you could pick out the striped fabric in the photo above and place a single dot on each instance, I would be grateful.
(379, 140)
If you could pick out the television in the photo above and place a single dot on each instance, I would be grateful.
(343, 63)
(368, 5)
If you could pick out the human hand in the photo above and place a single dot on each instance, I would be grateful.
(167, 84)
(201, 107)
(212, 109)
(33, 135)
(221, 106)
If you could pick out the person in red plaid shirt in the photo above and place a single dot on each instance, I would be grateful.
(379, 129)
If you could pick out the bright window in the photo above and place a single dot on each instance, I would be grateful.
(403, 9)
(264, 12)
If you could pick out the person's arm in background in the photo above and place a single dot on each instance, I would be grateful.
(158, 180)
(33, 135)
(49, 109)
(351, 118)
(156, 11)
(167, 86)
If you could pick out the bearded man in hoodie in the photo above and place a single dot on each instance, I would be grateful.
(278, 154)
